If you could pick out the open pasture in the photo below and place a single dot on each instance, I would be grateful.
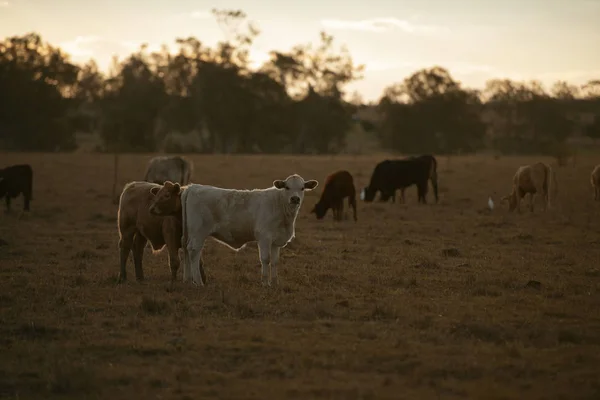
(411, 302)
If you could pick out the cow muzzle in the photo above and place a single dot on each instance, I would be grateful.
(295, 200)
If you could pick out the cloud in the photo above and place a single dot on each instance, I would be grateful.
(200, 14)
(573, 76)
(78, 47)
(4, 4)
(83, 48)
(379, 25)
(133, 45)
(378, 66)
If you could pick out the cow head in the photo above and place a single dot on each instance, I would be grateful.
(294, 187)
(367, 194)
(167, 199)
(512, 201)
(319, 210)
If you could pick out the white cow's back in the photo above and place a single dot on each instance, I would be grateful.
(236, 217)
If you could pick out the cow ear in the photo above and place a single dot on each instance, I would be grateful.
(176, 188)
(310, 185)
(154, 190)
(279, 184)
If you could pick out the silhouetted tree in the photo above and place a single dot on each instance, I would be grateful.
(430, 112)
(209, 99)
(527, 119)
(36, 82)
(131, 105)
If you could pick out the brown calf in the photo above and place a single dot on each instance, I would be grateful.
(535, 179)
(138, 225)
(337, 186)
(167, 202)
(595, 180)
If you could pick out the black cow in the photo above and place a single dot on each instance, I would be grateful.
(390, 175)
(15, 180)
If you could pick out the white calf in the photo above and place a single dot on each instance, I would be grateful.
(237, 217)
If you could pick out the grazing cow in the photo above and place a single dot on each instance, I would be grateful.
(169, 168)
(390, 175)
(236, 217)
(15, 180)
(337, 186)
(595, 180)
(535, 179)
(140, 220)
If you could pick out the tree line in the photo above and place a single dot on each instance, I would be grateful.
(202, 99)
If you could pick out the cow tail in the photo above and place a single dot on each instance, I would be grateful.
(184, 231)
(434, 177)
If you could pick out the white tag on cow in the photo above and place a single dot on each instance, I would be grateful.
(362, 194)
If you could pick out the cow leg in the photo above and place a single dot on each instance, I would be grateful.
(7, 199)
(193, 261)
(424, 192)
(174, 261)
(187, 267)
(186, 259)
(139, 242)
(532, 197)
(352, 203)
(26, 200)
(125, 245)
(340, 208)
(195, 265)
(264, 252)
(275, 250)
(402, 199)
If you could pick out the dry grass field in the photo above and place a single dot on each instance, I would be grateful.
(411, 302)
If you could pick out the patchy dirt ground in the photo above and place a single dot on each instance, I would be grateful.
(410, 302)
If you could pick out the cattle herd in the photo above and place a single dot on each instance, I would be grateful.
(167, 210)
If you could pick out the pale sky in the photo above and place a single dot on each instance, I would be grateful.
(475, 40)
